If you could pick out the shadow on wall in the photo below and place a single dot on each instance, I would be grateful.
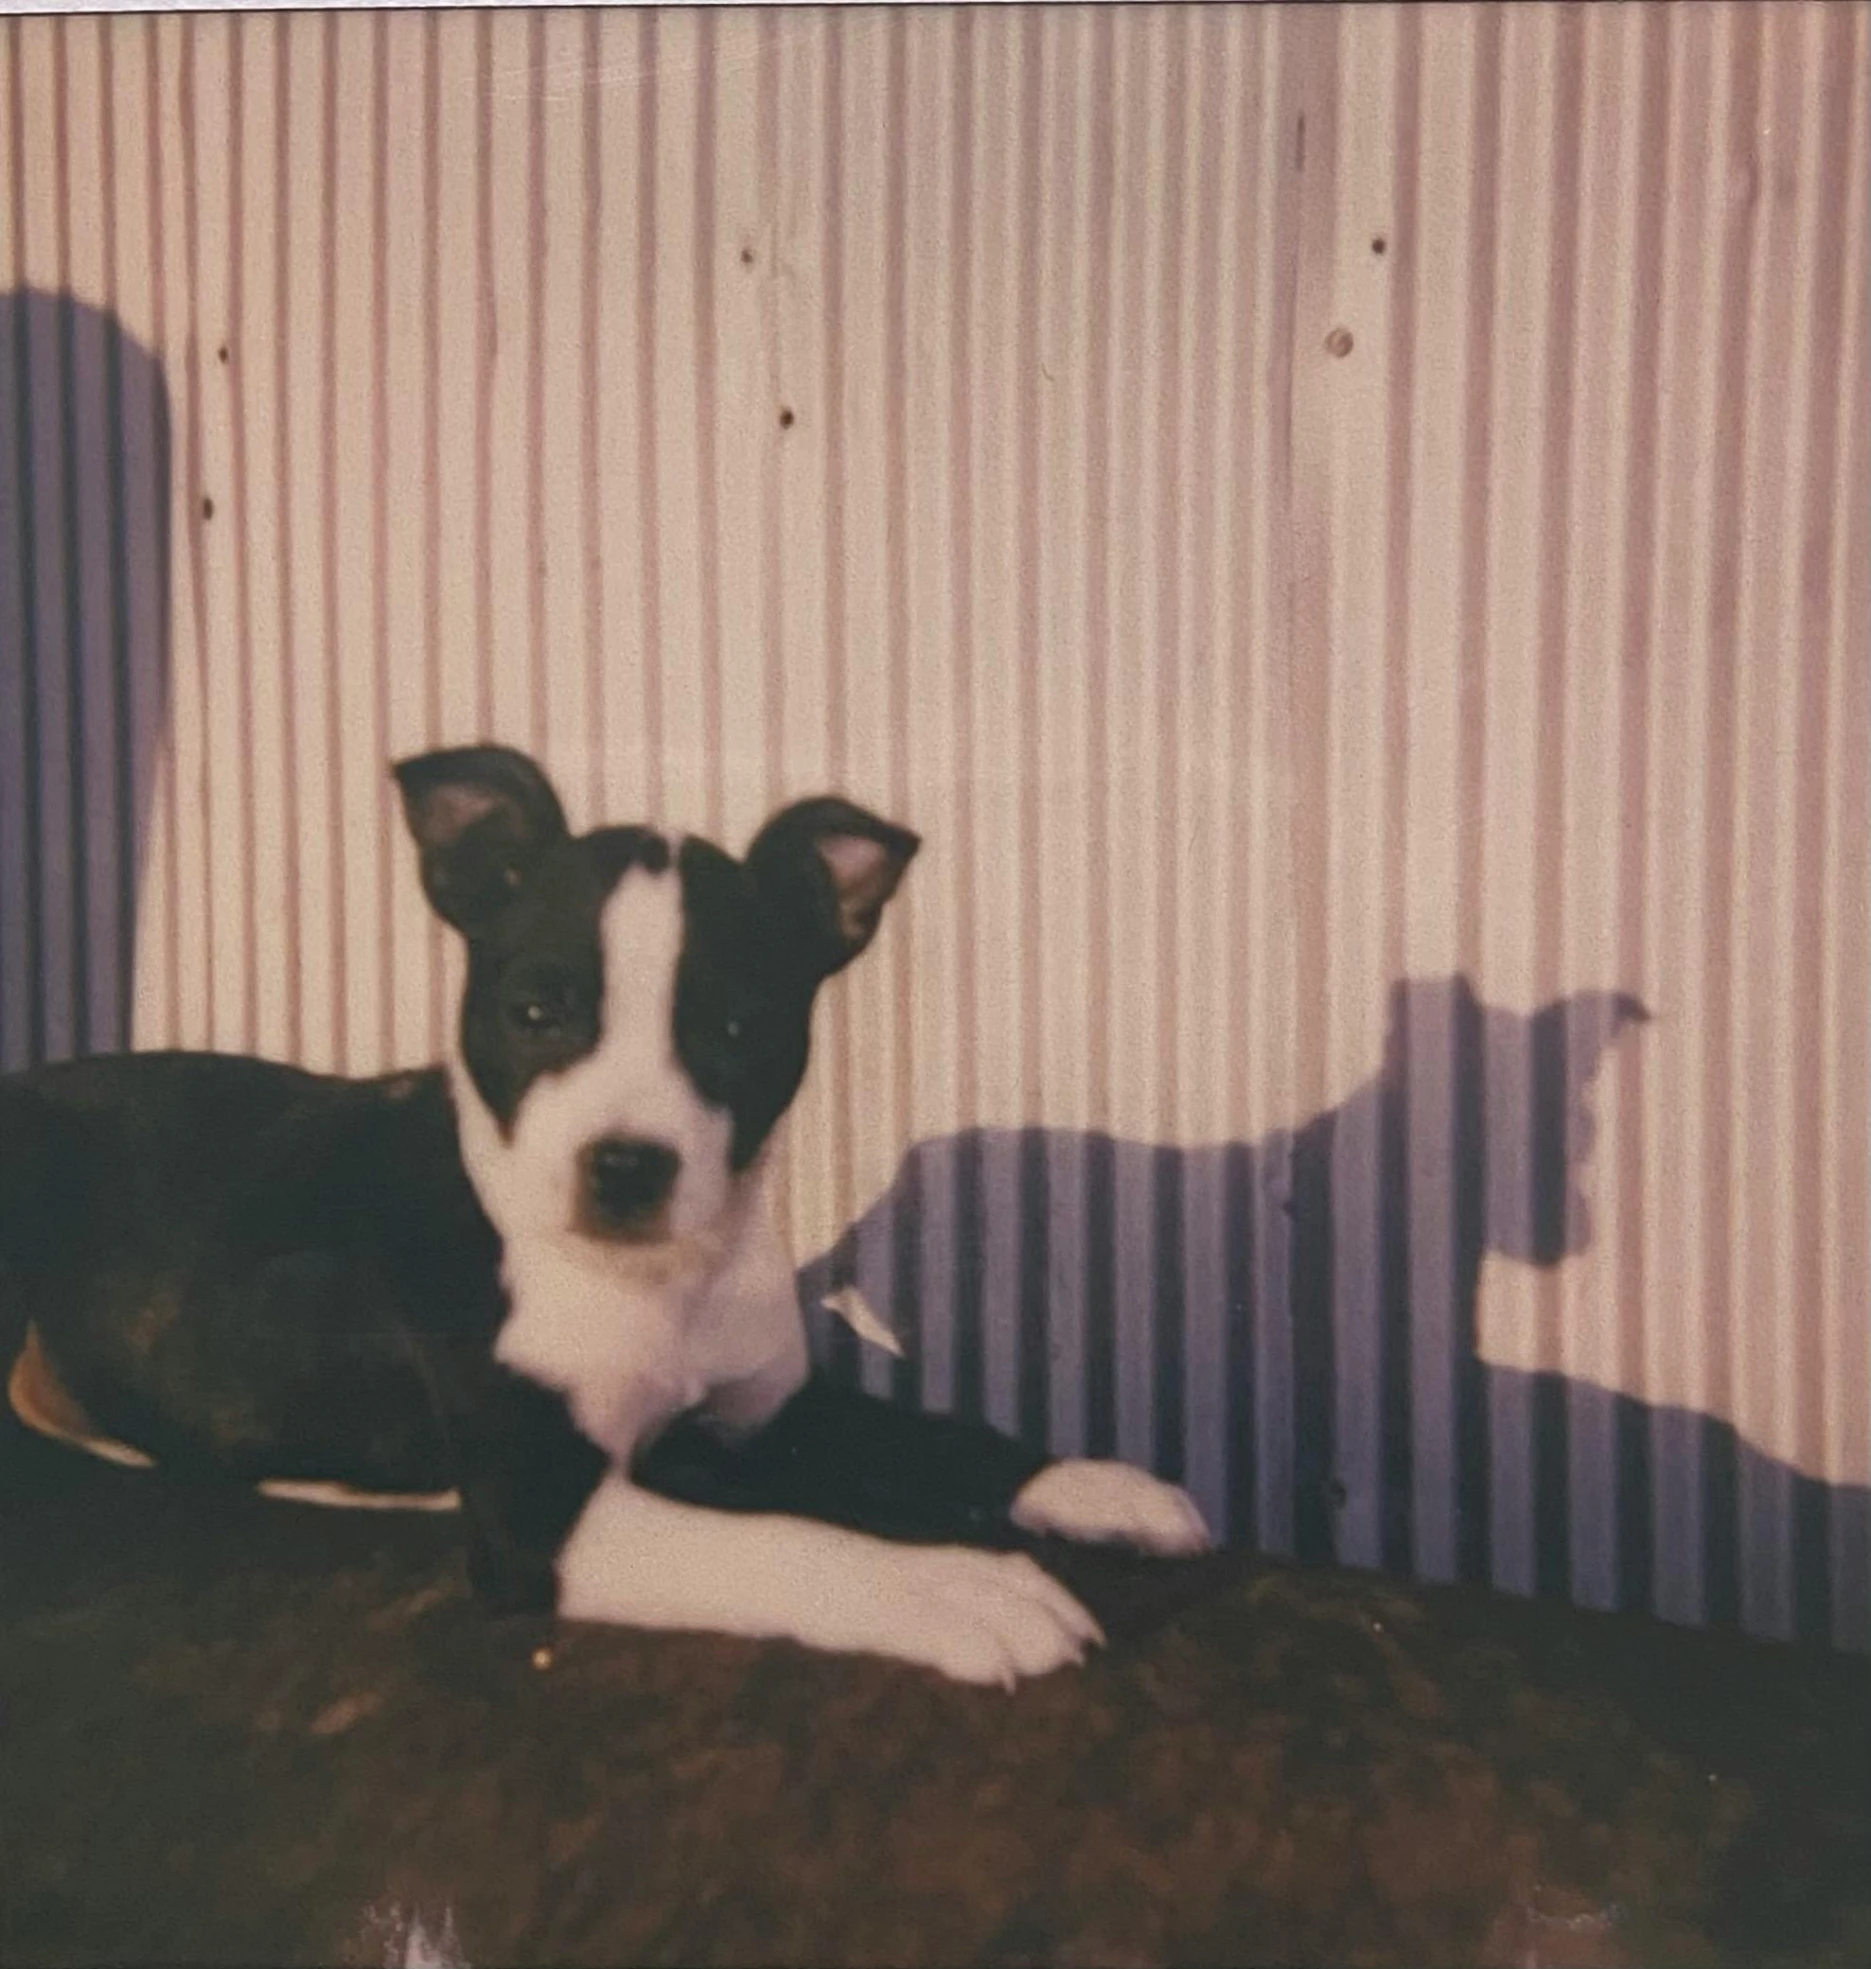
(84, 666)
(1472, 1138)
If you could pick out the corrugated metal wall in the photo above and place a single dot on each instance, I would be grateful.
(1347, 529)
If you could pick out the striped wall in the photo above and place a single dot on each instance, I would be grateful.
(1346, 529)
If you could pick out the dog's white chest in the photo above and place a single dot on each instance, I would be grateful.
(617, 1348)
(631, 1347)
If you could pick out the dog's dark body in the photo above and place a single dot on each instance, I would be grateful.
(249, 1272)
(258, 1274)
(541, 1277)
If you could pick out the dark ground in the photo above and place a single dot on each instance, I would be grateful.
(244, 1731)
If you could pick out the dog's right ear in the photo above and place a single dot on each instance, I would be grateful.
(829, 868)
(481, 816)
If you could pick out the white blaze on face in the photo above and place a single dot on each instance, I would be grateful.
(611, 1325)
(631, 1084)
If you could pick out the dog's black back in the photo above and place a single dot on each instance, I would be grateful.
(242, 1268)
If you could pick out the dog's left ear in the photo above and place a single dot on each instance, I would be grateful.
(828, 868)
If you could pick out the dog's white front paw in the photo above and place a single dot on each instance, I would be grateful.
(987, 1617)
(1112, 1504)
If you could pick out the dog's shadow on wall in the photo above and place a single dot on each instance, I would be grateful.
(84, 666)
(1498, 1169)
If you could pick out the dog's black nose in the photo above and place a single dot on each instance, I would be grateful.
(628, 1181)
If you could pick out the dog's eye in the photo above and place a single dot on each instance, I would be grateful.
(541, 1011)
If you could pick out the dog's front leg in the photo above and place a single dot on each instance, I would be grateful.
(834, 1452)
(814, 1447)
(641, 1560)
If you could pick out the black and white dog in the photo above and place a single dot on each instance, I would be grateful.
(545, 1278)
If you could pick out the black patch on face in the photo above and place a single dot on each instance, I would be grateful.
(744, 991)
(534, 1002)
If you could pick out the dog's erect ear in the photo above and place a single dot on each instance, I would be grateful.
(481, 816)
(828, 868)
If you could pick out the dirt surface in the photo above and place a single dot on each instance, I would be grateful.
(244, 1731)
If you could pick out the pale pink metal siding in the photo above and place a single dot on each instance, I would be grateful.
(1344, 527)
